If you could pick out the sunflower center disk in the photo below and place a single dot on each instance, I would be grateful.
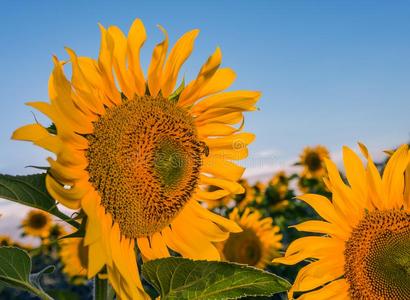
(377, 256)
(244, 247)
(313, 161)
(144, 160)
(37, 221)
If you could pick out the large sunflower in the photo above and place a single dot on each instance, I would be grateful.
(256, 245)
(136, 153)
(365, 252)
(37, 223)
(313, 161)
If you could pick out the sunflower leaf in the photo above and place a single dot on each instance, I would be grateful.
(31, 190)
(180, 278)
(15, 271)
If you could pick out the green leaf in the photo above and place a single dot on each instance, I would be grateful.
(15, 269)
(180, 278)
(64, 295)
(31, 190)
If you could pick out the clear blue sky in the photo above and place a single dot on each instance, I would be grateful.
(331, 72)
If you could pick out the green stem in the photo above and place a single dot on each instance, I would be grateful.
(100, 288)
(66, 218)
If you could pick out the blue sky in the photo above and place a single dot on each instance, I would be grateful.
(331, 72)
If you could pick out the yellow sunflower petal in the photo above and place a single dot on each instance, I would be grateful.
(221, 80)
(237, 100)
(325, 209)
(179, 54)
(222, 168)
(125, 81)
(192, 91)
(156, 65)
(356, 174)
(317, 274)
(136, 39)
(105, 63)
(335, 290)
(393, 178)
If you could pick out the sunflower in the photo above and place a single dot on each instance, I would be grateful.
(5, 240)
(136, 153)
(245, 198)
(37, 223)
(74, 256)
(281, 183)
(259, 189)
(365, 252)
(256, 245)
(312, 159)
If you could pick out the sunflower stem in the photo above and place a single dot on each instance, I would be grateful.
(100, 288)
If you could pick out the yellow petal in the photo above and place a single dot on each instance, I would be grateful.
(66, 175)
(230, 186)
(145, 248)
(83, 97)
(322, 227)
(221, 80)
(105, 62)
(222, 168)
(336, 290)
(136, 39)
(239, 100)
(219, 115)
(356, 175)
(325, 209)
(68, 197)
(343, 198)
(393, 178)
(158, 246)
(224, 223)
(235, 141)
(156, 65)
(318, 273)
(120, 62)
(216, 130)
(310, 247)
(60, 91)
(204, 195)
(195, 244)
(192, 91)
(178, 55)
(96, 259)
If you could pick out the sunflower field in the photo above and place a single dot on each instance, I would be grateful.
(143, 194)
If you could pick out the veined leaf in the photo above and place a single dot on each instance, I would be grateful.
(180, 278)
(31, 190)
(15, 269)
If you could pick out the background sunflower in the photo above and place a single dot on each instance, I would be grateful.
(257, 243)
(37, 223)
(364, 252)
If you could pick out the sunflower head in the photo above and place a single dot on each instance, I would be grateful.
(259, 189)
(37, 223)
(74, 256)
(137, 154)
(256, 245)
(5, 240)
(313, 161)
(281, 183)
(364, 252)
(247, 196)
